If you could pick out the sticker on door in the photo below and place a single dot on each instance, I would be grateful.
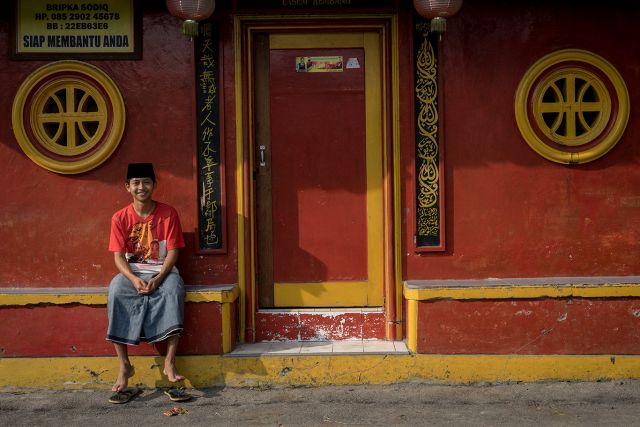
(319, 64)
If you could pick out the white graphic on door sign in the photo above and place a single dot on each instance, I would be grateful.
(353, 63)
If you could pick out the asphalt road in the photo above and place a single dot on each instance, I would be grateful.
(408, 404)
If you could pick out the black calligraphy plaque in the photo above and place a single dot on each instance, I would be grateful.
(210, 188)
(429, 234)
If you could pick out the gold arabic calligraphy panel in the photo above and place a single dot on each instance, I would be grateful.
(428, 183)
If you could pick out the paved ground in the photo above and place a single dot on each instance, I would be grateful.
(538, 404)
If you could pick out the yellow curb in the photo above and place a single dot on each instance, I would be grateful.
(206, 371)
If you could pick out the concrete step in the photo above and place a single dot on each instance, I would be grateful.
(329, 348)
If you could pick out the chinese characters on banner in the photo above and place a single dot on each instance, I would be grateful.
(208, 116)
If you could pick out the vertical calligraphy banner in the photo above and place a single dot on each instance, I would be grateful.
(210, 171)
(429, 234)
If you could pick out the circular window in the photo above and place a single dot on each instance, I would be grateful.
(572, 106)
(68, 116)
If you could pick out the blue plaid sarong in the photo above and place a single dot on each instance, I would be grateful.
(151, 318)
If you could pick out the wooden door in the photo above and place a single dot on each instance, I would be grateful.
(317, 110)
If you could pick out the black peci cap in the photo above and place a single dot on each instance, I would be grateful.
(140, 170)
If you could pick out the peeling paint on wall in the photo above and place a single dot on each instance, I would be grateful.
(319, 325)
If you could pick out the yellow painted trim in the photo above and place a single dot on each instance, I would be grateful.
(374, 146)
(569, 76)
(223, 296)
(522, 99)
(322, 294)
(55, 299)
(388, 283)
(412, 325)
(100, 297)
(208, 371)
(397, 182)
(240, 188)
(324, 41)
(113, 97)
(44, 96)
(266, 22)
(523, 291)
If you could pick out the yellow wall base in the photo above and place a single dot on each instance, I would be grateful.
(206, 371)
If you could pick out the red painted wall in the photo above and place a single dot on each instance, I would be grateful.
(510, 212)
(54, 228)
(542, 326)
(78, 330)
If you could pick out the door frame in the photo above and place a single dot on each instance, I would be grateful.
(387, 28)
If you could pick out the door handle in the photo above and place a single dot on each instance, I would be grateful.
(262, 149)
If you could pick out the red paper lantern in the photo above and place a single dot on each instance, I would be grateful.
(437, 11)
(191, 11)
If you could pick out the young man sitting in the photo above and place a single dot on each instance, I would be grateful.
(146, 299)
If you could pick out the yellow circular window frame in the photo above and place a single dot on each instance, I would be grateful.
(601, 108)
(56, 111)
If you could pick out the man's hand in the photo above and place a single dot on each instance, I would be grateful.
(142, 287)
(124, 268)
(152, 284)
(139, 284)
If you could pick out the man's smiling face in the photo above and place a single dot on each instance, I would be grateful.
(141, 188)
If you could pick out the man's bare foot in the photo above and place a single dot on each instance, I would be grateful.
(171, 372)
(123, 378)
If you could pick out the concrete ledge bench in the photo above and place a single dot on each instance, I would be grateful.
(419, 295)
(27, 299)
(543, 287)
(98, 295)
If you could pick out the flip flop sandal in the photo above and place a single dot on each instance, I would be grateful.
(125, 395)
(177, 394)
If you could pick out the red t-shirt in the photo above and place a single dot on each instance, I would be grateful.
(146, 241)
